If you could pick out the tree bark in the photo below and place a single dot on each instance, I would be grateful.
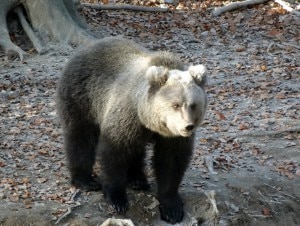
(51, 20)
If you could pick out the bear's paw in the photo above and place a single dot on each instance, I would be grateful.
(171, 210)
(117, 199)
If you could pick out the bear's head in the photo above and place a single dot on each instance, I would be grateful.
(177, 99)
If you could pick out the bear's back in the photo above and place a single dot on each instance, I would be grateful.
(108, 56)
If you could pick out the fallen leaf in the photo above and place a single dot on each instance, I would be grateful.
(220, 115)
(274, 32)
(266, 211)
(243, 126)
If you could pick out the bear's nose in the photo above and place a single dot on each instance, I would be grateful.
(189, 127)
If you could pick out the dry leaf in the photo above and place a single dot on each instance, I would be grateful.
(220, 115)
(266, 211)
(243, 126)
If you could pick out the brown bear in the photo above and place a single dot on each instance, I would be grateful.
(113, 99)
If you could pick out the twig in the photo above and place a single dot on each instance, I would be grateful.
(269, 47)
(288, 44)
(268, 133)
(74, 195)
(293, 197)
(126, 7)
(287, 7)
(69, 211)
(267, 203)
(210, 165)
(236, 5)
(262, 216)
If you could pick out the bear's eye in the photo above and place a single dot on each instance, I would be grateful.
(193, 107)
(176, 106)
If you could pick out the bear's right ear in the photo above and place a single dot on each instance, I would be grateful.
(157, 76)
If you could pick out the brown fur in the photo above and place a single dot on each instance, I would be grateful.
(113, 99)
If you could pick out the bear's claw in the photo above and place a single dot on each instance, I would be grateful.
(118, 200)
(171, 211)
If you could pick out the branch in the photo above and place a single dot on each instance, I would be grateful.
(237, 5)
(69, 211)
(126, 7)
(293, 197)
(286, 6)
(268, 133)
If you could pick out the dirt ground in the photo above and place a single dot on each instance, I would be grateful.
(247, 152)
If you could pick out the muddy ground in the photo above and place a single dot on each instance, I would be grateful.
(247, 151)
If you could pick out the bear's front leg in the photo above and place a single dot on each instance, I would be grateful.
(171, 158)
(136, 177)
(114, 163)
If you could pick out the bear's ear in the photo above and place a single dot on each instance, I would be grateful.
(198, 72)
(157, 76)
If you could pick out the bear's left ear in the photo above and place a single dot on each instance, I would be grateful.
(198, 72)
(157, 76)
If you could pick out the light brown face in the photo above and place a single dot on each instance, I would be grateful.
(181, 108)
(177, 100)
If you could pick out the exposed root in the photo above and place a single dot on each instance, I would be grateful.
(35, 41)
(13, 51)
(53, 20)
(126, 7)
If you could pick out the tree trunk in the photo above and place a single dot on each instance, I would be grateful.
(48, 20)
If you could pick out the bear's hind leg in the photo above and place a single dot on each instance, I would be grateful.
(136, 177)
(114, 163)
(80, 144)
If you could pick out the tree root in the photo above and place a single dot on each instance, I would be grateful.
(35, 41)
(12, 51)
(236, 5)
(126, 7)
(54, 20)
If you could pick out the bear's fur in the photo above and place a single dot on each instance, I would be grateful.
(113, 99)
